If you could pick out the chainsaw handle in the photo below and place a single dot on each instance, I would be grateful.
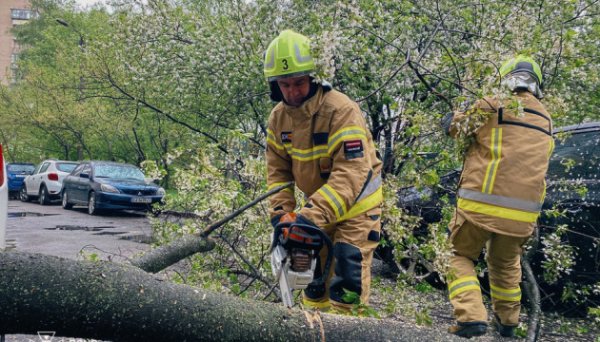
(309, 229)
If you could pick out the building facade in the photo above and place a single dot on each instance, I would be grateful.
(12, 13)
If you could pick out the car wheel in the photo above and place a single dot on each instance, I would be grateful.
(65, 201)
(92, 210)
(23, 194)
(44, 197)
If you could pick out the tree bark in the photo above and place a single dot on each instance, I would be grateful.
(164, 256)
(108, 301)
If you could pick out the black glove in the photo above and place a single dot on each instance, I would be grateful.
(303, 220)
(275, 220)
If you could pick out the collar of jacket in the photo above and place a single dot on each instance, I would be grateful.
(308, 108)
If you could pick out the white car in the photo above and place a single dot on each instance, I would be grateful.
(46, 181)
(3, 201)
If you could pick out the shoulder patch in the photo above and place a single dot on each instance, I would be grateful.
(353, 149)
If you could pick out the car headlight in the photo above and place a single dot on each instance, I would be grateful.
(160, 192)
(108, 188)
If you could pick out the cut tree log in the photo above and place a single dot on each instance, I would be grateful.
(109, 301)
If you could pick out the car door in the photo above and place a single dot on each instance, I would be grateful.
(69, 184)
(33, 189)
(83, 183)
(28, 181)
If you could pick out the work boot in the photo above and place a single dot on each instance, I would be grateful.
(504, 330)
(468, 329)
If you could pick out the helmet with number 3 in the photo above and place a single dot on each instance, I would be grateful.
(288, 55)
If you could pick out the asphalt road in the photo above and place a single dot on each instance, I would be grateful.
(73, 234)
(52, 230)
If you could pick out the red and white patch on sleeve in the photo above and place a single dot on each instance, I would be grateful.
(353, 149)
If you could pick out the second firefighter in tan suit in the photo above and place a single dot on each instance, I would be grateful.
(500, 196)
(317, 137)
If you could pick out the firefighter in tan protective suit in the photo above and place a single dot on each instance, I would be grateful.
(500, 195)
(317, 137)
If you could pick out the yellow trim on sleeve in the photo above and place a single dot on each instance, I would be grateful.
(273, 141)
(365, 204)
(275, 144)
(350, 132)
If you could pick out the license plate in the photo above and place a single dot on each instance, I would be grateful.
(141, 200)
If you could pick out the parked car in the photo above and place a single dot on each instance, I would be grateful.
(45, 183)
(102, 185)
(3, 201)
(16, 173)
(574, 163)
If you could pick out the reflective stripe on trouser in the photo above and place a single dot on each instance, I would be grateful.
(504, 265)
(503, 259)
(354, 242)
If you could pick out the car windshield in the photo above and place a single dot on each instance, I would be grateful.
(20, 168)
(66, 167)
(118, 171)
(576, 157)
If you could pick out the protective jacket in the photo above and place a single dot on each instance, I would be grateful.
(326, 148)
(502, 185)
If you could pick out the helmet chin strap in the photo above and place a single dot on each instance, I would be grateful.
(276, 94)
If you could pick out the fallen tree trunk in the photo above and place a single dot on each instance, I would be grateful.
(109, 301)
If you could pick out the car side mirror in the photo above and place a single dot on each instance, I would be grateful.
(84, 175)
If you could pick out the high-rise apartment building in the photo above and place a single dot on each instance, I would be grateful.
(12, 13)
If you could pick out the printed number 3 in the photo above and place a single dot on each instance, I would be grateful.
(285, 64)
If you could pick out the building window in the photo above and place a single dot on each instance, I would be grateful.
(14, 58)
(21, 14)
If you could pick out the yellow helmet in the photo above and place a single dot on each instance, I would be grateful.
(288, 55)
(522, 63)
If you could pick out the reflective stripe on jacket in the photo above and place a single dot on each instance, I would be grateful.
(502, 185)
(326, 148)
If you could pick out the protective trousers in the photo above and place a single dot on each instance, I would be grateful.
(354, 242)
(504, 265)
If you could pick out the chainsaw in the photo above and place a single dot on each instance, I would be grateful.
(294, 254)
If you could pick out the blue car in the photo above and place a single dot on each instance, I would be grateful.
(16, 172)
(104, 186)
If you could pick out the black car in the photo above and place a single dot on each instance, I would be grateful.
(573, 188)
(102, 185)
